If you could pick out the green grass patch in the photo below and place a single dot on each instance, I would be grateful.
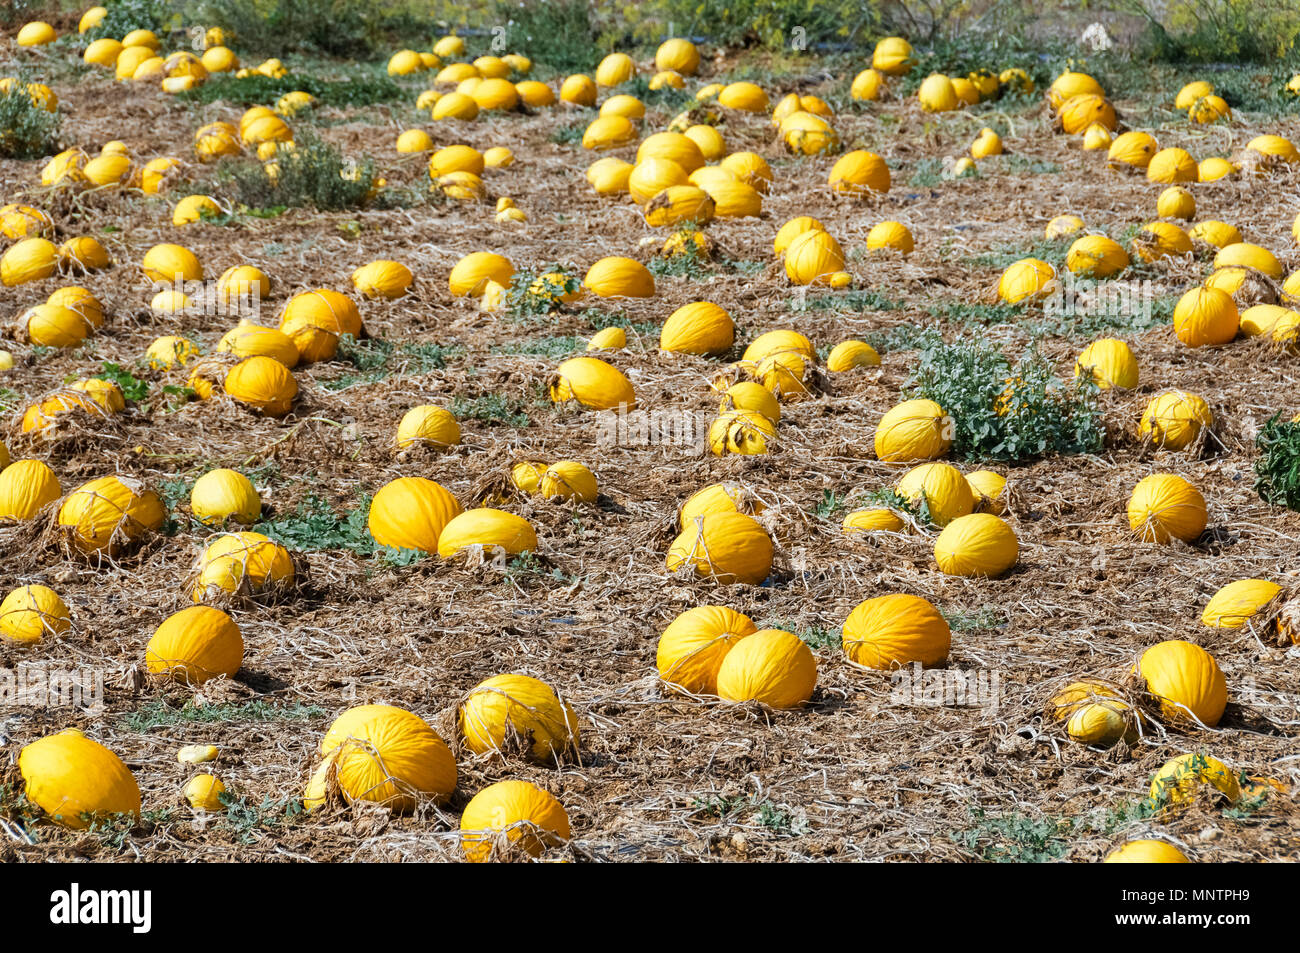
(1277, 471)
(158, 714)
(1015, 838)
(491, 409)
(376, 359)
(315, 526)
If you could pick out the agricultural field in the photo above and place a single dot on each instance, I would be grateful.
(985, 660)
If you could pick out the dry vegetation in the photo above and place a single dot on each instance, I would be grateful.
(854, 776)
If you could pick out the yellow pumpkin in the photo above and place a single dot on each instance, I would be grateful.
(593, 384)
(1070, 84)
(609, 176)
(105, 516)
(741, 432)
(471, 274)
(849, 355)
(980, 544)
(891, 235)
(743, 96)
(578, 90)
(1217, 234)
(913, 430)
(1108, 363)
(678, 55)
(941, 488)
(428, 425)
(1028, 279)
(512, 818)
(496, 531)
(1172, 166)
(608, 132)
(1174, 419)
(1164, 506)
(1206, 317)
(771, 666)
(859, 172)
(252, 340)
(1246, 255)
(263, 384)
(389, 756)
(718, 498)
(509, 709)
(1063, 226)
(75, 780)
(1185, 680)
(223, 494)
(411, 513)
(812, 258)
(692, 648)
(26, 488)
(1146, 852)
(619, 277)
(31, 613)
(569, 480)
(727, 547)
(937, 94)
(895, 630)
(1186, 777)
(195, 645)
(893, 56)
(32, 259)
(1238, 602)
(866, 85)
(877, 519)
(679, 203)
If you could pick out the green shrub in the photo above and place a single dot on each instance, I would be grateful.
(126, 15)
(1040, 415)
(1217, 31)
(1277, 471)
(27, 131)
(345, 28)
(314, 174)
(558, 34)
(526, 297)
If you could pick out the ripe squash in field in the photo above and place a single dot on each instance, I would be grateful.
(813, 257)
(980, 544)
(749, 396)
(617, 277)
(32, 259)
(1096, 256)
(743, 432)
(1172, 166)
(253, 340)
(1108, 363)
(609, 132)
(262, 383)
(678, 55)
(496, 531)
(569, 480)
(771, 666)
(168, 264)
(74, 780)
(791, 230)
(428, 425)
(105, 516)
(1238, 602)
(382, 279)
(592, 383)
(895, 630)
(698, 328)
(615, 69)
(411, 513)
(475, 270)
(1206, 317)
(1247, 255)
(1026, 280)
(1071, 84)
(719, 498)
(727, 547)
(652, 175)
(31, 613)
(609, 176)
(937, 94)
(859, 172)
(203, 793)
(692, 648)
(893, 56)
(386, 755)
(171, 351)
(913, 431)
(876, 519)
(848, 355)
(1101, 724)
(26, 487)
(1176, 202)
(942, 489)
(512, 818)
(1163, 507)
(1183, 779)
(516, 709)
(680, 203)
(890, 235)
(1185, 680)
(221, 495)
(242, 564)
(1146, 852)
(1174, 419)
(750, 168)
(867, 85)
(195, 645)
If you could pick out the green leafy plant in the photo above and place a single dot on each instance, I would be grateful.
(27, 131)
(491, 408)
(1015, 838)
(558, 33)
(1277, 471)
(1003, 412)
(313, 174)
(533, 293)
(354, 92)
(314, 525)
(133, 388)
